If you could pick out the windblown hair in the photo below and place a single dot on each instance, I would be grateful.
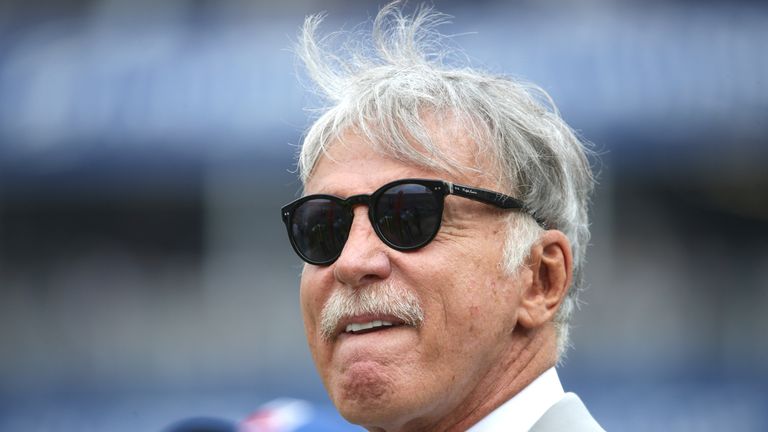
(385, 87)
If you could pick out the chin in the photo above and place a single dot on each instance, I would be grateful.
(367, 395)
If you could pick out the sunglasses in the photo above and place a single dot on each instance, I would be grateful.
(405, 214)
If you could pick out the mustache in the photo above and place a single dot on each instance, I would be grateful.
(386, 298)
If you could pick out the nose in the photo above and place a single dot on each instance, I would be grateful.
(365, 258)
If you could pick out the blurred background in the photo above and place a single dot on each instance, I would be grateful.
(146, 147)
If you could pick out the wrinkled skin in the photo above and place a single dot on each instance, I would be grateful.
(486, 334)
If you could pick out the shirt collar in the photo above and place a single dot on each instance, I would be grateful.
(521, 412)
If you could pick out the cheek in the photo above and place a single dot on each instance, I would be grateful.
(311, 307)
(479, 304)
(504, 300)
(312, 299)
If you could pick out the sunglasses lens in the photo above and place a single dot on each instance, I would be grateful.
(320, 228)
(408, 215)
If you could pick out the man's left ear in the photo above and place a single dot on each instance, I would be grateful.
(551, 266)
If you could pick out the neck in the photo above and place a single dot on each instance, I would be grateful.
(525, 361)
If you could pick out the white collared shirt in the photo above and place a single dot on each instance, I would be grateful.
(521, 412)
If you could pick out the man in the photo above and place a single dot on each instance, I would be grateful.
(444, 224)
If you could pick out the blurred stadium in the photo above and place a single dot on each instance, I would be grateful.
(146, 147)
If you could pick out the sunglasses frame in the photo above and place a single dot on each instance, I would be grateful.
(440, 190)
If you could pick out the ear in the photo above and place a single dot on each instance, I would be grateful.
(551, 265)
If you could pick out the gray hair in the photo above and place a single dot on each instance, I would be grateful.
(384, 89)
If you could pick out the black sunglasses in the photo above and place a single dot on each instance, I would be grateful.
(405, 214)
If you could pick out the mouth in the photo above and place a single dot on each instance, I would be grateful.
(368, 327)
(364, 325)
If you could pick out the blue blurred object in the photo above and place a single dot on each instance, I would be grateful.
(294, 415)
(202, 424)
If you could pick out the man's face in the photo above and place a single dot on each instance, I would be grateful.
(412, 376)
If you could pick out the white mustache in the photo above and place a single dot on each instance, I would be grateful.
(381, 299)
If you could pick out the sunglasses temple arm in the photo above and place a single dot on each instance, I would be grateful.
(493, 198)
(485, 196)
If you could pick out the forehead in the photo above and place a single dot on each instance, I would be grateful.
(352, 165)
(354, 160)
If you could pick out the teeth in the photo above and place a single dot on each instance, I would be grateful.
(351, 328)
